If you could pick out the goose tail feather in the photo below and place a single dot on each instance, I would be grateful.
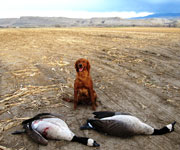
(18, 132)
(103, 114)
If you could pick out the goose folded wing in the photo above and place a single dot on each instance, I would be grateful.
(41, 116)
(111, 127)
(104, 114)
(36, 136)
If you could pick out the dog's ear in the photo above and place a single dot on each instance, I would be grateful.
(76, 66)
(88, 66)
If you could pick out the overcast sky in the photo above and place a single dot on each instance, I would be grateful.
(87, 8)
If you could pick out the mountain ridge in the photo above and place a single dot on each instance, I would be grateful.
(35, 21)
(160, 15)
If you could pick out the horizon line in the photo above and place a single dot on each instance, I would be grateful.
(78, 14)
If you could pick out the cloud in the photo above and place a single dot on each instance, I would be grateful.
(73, 14)
(82, 8)
(160, 1)
(106, 14)
(49, 4)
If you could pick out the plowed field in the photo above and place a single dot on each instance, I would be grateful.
(135, 70)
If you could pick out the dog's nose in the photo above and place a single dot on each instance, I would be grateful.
(80, 65)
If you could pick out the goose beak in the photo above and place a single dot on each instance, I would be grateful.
(85, 127)
(173, 124)
(95, 144)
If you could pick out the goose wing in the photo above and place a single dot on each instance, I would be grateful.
(41, 116)
(104, 114)
(111, 127)
(35, 135)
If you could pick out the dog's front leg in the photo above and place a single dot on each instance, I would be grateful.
(92, 98)
(75, 97)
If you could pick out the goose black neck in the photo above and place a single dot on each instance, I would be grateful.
(161, 131)
(85, 141)
(165, 129)
(82, 140)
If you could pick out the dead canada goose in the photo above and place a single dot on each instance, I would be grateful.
(49, 126)
(123, 125)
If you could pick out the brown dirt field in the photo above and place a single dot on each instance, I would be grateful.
(135, 70)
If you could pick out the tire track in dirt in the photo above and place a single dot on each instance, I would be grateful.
(133, 97)
(115, 72)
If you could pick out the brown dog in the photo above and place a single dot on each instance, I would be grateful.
(83, 85)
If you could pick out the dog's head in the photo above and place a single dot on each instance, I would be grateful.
(82, 65)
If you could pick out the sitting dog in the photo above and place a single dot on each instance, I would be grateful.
(83, 85)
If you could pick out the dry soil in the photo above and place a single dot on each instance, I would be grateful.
(135, 70)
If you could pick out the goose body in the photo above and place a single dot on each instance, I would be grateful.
(48, 126)
(53, 128)
(123, 125)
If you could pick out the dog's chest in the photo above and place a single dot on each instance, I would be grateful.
(83, 92)
(83, 82)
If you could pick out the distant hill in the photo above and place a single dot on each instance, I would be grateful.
(161, 15)
(35, 22)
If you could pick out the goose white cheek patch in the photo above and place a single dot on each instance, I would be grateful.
(90, 142)
(90, 125)
(169, 126)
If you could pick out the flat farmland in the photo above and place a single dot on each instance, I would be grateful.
(135, 70)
